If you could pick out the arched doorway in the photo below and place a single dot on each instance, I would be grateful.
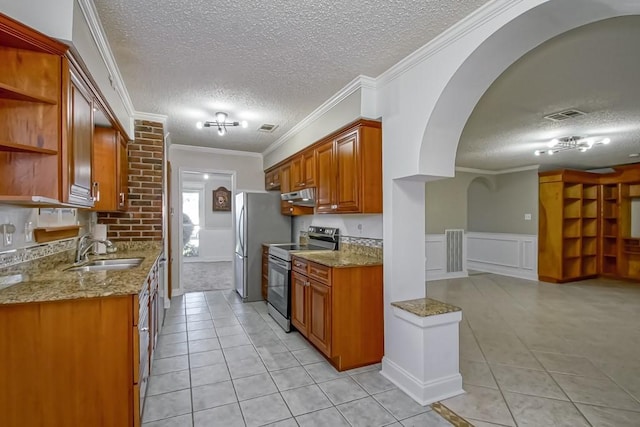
(425, 109)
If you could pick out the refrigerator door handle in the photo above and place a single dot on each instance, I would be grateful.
(241, 230)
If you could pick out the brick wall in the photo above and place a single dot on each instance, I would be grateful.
(143, 218)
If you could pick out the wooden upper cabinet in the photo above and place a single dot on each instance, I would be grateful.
(347, 166)
(287, 208)
(303, 170)
(30, 111)
(272, 179)
(350, 171)
(122, 173)
(77, 139)
(326, 186)
(109, 169)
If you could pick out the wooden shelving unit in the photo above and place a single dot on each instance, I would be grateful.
(11, 92)
(568, 229)
(610, 230)
(585, 225)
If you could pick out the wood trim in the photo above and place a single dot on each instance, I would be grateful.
(18, 35)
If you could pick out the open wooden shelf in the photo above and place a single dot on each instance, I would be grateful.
(48, 234)
(21, 148)
(11, 92)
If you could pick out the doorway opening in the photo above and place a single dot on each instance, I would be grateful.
(206, 232)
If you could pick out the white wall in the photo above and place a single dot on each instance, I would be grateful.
(357, 100)
(51, 17)
(19, 216)
(349, 225)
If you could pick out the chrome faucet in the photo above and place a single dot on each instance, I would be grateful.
(86, 242)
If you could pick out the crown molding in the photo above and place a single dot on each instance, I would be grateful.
(498, 172)
(355, 84)
(151, 117)
(472, 21)
(97, 32)
(211, 150)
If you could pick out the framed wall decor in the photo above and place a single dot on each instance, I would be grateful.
(221, 199)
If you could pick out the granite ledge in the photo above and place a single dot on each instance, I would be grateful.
(338, 259)
(425, 307)
(48, 282)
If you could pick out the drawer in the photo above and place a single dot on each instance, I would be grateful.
(299, 265)
(320, 272)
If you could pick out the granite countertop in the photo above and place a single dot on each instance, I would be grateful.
(46, 281)
(424, 307)
(339, 258)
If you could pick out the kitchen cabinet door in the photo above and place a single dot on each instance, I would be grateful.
(299, 310)
(110, 168)
(326, 177)
(122, 173)
(309, 169)
(320, 316)
(303, 170)
(272, 180)
(347, 164)
(77, 142)
(105, 169)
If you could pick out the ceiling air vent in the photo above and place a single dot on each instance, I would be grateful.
(267, 128)
(564, 115)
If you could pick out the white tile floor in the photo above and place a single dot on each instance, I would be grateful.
(532, 354)
(539, 354)
(223, 363)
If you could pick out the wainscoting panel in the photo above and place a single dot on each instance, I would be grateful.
(514, 255)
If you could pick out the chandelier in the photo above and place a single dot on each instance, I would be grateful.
(579, 143)
(221, 123)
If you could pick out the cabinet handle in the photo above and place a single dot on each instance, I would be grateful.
(145, 329)
(307, 283)
(122, 199)
(95, 191)
(302, 184)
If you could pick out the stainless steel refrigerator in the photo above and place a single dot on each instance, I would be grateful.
(257, 221)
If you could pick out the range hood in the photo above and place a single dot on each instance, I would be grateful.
(305, 197)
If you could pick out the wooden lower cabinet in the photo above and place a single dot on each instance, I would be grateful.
(68, 363)
(339, 310)
(77, 362)
(319, 332)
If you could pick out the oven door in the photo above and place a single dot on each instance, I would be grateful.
(278, 287)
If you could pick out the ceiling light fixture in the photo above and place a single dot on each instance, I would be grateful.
(579, 143)
(221, 123)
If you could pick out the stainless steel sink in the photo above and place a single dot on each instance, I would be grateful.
(107, 264)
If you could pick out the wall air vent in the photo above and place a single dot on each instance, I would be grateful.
(564, 115)
(267, 128)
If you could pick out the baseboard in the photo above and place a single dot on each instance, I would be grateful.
(438, 275)
(502, 270)
(424, 393)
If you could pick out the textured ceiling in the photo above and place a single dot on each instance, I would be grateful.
(264, 62)
(594, 69)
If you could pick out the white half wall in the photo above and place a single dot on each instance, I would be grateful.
(514, 255)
